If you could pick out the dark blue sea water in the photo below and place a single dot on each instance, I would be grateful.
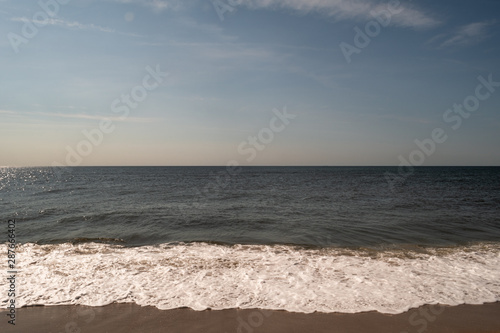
(304, 239)
(316, 206)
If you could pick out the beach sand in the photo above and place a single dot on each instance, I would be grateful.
(134, 318)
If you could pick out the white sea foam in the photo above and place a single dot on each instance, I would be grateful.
(202, 276)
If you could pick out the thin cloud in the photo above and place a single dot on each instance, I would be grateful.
(405, 119)
(236, 53)
(156, 5)
(7, 112)
(343, 9)
(74, 25)
(65, 24)
(82, 116)
(339, 9)
(465, 35)
(96, 117)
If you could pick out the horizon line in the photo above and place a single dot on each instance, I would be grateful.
(248, 166)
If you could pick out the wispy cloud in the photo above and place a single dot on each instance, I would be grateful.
(409, 16)
(405, 119)
(65, 24)
(213, 31)
(4, 12)
(465, 35)
(235, 52)
(96, 117)
(156, 5)
(7, 112)
(81, 116)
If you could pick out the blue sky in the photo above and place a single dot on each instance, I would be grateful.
(226, 76)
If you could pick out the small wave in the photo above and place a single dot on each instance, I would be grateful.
(80, 240)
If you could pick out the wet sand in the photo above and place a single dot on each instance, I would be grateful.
(133, 318)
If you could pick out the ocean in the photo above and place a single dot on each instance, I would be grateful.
(301, 239)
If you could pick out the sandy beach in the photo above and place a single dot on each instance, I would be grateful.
(133, 318)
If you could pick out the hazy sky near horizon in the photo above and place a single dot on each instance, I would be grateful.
(356, 98)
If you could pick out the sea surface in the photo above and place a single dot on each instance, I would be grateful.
(303, 239)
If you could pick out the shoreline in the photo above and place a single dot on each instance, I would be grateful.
(130, 317)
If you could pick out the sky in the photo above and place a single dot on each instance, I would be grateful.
(249, 82)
